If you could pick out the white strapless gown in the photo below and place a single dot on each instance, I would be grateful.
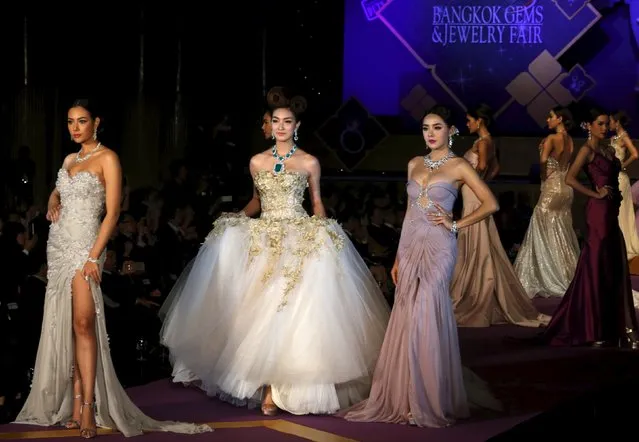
(50, 401)
(284, 300)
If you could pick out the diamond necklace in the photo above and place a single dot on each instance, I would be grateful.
(79, 159)
(434, 165)
(278, 167)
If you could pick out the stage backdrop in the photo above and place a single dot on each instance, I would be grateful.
(522, 57)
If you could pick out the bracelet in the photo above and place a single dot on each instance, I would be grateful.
(453, 228)
(93, 260)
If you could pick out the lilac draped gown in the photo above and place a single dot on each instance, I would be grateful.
(419, 378)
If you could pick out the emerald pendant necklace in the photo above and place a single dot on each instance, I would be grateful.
(279, 160)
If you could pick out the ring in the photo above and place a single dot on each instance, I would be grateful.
(86, 277)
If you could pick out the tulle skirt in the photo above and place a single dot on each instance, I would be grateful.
(282, 302)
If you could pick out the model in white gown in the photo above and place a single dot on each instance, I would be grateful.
(282, 301)
(623, 145)
(50, 402)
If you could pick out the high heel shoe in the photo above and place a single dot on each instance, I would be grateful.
(88, 433)
(74, 424)
(268, 408)
(630, 340)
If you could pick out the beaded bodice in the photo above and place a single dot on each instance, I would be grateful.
(281, 195)
(82, 199)
(82, 196)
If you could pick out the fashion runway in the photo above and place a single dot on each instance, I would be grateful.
(529, 380)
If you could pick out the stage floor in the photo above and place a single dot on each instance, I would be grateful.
(529, 380)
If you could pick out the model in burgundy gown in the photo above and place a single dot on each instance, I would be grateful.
(598, 307)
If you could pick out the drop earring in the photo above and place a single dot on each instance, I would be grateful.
(295, 137)
(453, 132)
(95, 133)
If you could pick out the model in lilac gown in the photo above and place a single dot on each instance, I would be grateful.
(419, 377)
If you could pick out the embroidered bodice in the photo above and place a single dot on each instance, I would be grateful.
(82, 200)
(282, 195)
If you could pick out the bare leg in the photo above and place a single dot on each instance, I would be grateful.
(85, 347)
(77, 398)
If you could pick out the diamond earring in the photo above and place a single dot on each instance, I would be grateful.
(295, 138)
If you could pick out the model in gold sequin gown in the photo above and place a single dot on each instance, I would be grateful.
(548, 255)
(50, 401)
(283, 300)
(626, 210)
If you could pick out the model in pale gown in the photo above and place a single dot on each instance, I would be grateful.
(485, 289)
(626, 152)
(419, 378)
(73, 364)
(280, 309)
(548, 255)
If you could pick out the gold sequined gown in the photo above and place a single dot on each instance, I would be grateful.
(547, 259)
(626, 210)
(50, 401)
(283, 300)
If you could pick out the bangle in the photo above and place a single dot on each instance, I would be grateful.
(453, 228)
(93, 260)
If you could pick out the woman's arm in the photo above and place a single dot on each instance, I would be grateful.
(482, 155)
(583, 156)
(315, 173)
(632, 150)
(112, 173)
(543, 158)
(254, 206)
(53, 205)
(467, 175)
(411, 166)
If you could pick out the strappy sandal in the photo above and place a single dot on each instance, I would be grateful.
(88, 433)
(74, 424)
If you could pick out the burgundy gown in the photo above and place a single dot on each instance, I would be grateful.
(598, 305)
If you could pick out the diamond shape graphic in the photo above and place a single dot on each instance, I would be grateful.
(351, 133)
(570, 8)
(430, 33)
(417, 102)
(578, 82)
(373, 7)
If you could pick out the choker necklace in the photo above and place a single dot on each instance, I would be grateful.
(79, 159)
(278, 167)
(434, 165)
